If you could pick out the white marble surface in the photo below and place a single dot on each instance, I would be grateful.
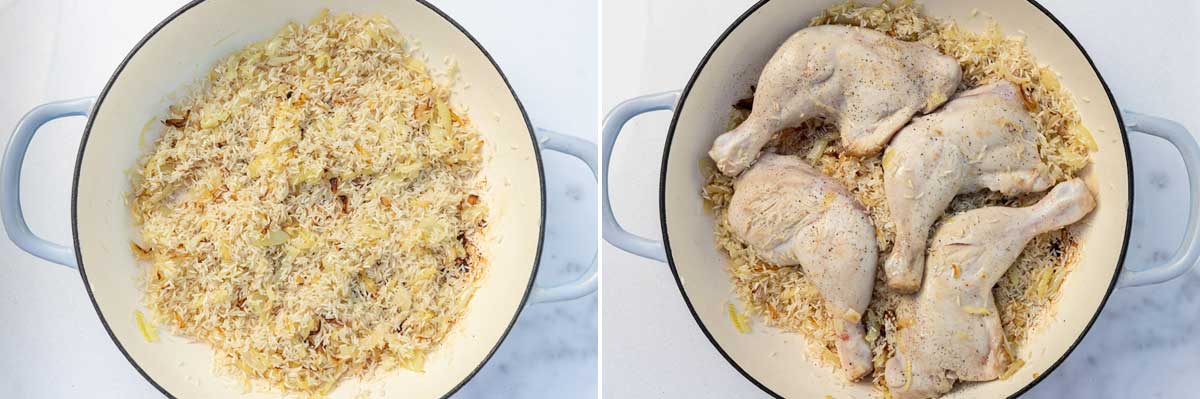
(1144, 344)
(51, 342)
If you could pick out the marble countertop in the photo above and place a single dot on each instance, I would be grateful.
(51, 342)
(1144, 344)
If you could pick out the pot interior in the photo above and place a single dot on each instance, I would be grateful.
(777, 360)
(180, 53)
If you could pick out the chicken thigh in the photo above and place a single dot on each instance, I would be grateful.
(955, 331)
(790, 214)
(983, 138)
(866, 82)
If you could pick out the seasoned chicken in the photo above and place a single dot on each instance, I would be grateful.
(953, 330)
(865, 81)
(791, 214)
(982, 139)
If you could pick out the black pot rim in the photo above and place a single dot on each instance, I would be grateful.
(662, 205)
(104, 93)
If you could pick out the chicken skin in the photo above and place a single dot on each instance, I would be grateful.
(791, 214)
(866, 82)
(955, 331)
(984, 138)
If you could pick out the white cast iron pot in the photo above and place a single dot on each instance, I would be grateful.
(177, 53)
(724, 76)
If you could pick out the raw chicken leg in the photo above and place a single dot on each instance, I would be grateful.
(791, 214)
(867, 82)
(983, 138)
(955, 332)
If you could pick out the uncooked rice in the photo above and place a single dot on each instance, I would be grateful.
(310, 209)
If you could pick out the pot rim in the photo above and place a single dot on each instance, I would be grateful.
(662, 202)
(537, 155)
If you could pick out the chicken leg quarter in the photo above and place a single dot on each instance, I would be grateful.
(791, 214)
(983, 138)
(955, 332)
(867, 82)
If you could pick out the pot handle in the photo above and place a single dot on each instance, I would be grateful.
(622, 113)
(585, 283)
(1189, 250)
(10, 179)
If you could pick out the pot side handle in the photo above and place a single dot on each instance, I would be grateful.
(613, 123)
(10, 179)
(1189, 250)
(586, 283)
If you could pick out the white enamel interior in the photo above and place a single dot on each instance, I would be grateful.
(777, 359)
(182, 52)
